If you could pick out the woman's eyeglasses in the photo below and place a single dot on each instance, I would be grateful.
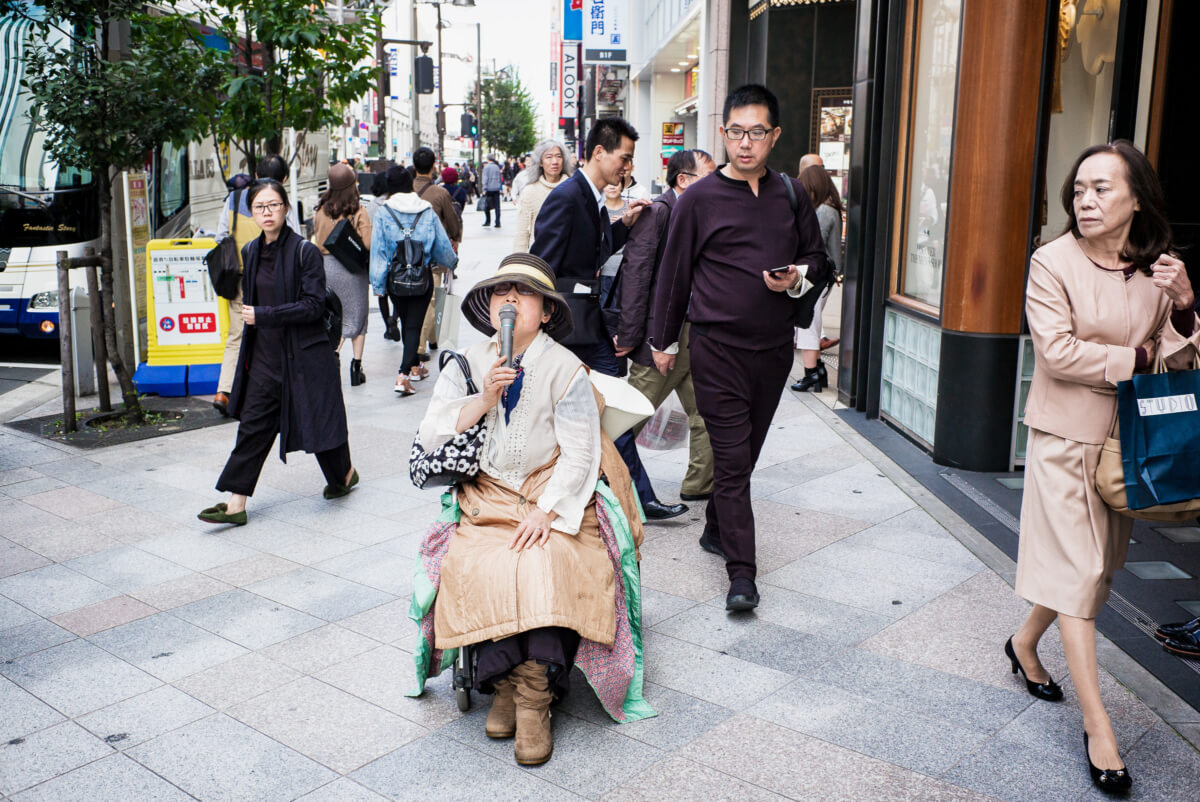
(263, 208)
(504, 287)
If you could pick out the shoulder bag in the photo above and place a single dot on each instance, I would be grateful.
(224, 268)
(456, 460)
(344, 244)
(331, 320)
(806, 304)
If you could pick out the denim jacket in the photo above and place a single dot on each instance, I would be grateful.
(385, 235)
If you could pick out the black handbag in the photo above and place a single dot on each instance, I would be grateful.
(806, 305)
(344, 244)
(224, 268)
(331, 318)
(586, 312)
(456, 460)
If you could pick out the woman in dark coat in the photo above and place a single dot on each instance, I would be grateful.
(287, 379)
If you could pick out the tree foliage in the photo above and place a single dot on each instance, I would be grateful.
(507, 121)
(289, 66)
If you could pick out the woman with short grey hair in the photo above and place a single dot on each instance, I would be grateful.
(551, 164)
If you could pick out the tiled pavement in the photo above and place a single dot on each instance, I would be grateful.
(145, 655)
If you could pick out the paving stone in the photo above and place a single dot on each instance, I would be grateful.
(28, 638)
(24, 713)
(42, 755)
(868, 726)
(1162, 765)
(342, 789)
(319, 515)
(383, 675)
(246, 618)
(436, 767)
(15, 558)
(681, 718)
(922, 690)
(145, 716)
(73, 470)
(115, 777)
(319, 648)
(167, 647)
(18, 516)
(194, 550)
(178, 592)
(765, 644)
(709, 675)
(236, 680)
(61, 540)
(103, 615)
(385, 623)
(31, 487)
(830, 620)
(127, 568)
(658, 606)
(1011, 771)
(249, 570)
(318, 593)
(54, 589)
(326, 724)
(870, 561)
(77, 677)
(678, 778)
(218, 758)
(681, 578)
(290, 542)
(129, 525)
(802, 767)
(12, 475)
(915, 534)
(374, 567)
(72, 502)
(1057, 729)
(13, 614)
(859, 491)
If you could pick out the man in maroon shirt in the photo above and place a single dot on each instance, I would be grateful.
(737, 257)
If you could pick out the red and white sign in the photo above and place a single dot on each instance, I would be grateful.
(205, 323)
(186, 307)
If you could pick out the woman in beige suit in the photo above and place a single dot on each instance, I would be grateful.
(1102, 300)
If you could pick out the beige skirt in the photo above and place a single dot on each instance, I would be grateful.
(1071, 543)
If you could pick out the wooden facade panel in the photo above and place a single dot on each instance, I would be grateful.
(995, 141)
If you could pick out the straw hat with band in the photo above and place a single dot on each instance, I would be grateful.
(529, 271)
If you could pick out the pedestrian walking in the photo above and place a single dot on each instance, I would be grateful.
(639, 271)
(809, 340)
(526, 610)
(522, 177)
(1103, 299)
(348, 282)
(616, 207)
(286, 378)
(493, 183)
(238, 221)
(425, 164)
(575, 236)
(550, 165)
(738, 254)
(405, 216)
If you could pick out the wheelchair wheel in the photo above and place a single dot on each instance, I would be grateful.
(464, 699)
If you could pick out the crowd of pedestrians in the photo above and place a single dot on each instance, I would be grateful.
(681, 293)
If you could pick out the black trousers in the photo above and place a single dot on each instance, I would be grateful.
(256, 435)
(411, 311)
(737, 391)
(493, 202)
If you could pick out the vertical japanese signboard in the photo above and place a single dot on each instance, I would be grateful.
(606, 26)
(568, 82)
(672, 141)
(187, 320)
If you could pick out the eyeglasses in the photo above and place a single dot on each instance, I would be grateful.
(263, 208)
(681, 172)
(504, 287)
(737, 134)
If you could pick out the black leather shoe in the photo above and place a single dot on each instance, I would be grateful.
(743, 596)
(1116, 782)
(1173, 631)
(712, 546)
(1048, 691)
(695, 496)
(221, 403)
(657, 511)
(1185, 644)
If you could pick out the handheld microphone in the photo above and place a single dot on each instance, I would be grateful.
(508, 316)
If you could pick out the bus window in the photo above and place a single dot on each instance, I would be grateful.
(172, 181)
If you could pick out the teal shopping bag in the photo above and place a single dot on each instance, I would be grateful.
(1159, 418)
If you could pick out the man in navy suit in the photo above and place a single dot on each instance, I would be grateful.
(575, 237)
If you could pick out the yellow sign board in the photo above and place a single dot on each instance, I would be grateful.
(187, 322)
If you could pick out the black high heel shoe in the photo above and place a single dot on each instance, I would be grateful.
(1110, 781)
(1048, 691)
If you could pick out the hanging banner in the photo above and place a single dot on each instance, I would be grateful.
(572, 30)
(568, 85)
(606, 25)
(672, 141)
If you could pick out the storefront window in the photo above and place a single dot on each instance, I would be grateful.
(930, 134)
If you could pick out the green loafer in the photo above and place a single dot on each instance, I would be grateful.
(218, 515)
(337, 491)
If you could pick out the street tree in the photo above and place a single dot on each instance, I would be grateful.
(103, 110)
(506, 123)
(289, 66)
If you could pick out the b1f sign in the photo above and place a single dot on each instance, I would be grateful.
(568, 82)
(605, 31)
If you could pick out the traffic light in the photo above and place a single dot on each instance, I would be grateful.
(423, 75)
(467, 125)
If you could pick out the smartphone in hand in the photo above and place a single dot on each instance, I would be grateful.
(779, 272)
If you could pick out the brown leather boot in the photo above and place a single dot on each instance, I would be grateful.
(532, 694)
(502, 718)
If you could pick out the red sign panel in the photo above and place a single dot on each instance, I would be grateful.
(200, 323)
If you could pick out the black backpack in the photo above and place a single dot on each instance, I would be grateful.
(407, 273)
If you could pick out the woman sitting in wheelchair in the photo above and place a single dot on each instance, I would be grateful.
(535, 566)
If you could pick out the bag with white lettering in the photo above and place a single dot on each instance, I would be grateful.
(1153, 471)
